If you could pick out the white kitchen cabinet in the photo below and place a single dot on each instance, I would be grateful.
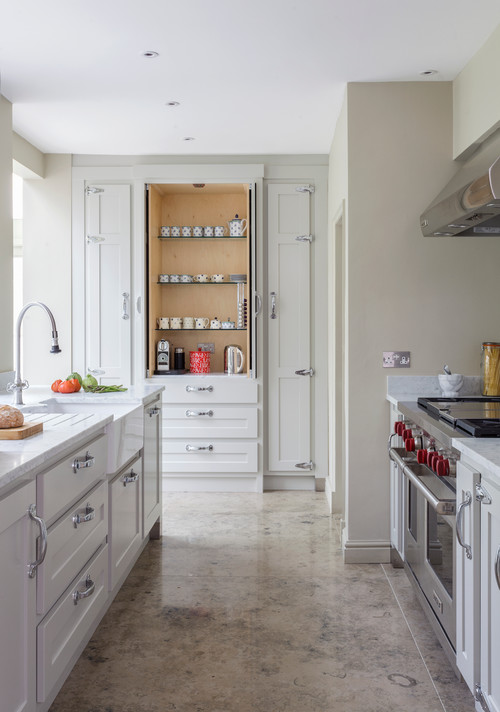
(125, 520)
(467, 590)
(17, 601)
(397, 497)
(151, 480)
(489, 678)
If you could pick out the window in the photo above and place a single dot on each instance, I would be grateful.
(17, 213)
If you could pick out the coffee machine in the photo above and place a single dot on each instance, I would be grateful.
(163, 356)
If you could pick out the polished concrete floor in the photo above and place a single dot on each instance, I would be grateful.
(245, 606)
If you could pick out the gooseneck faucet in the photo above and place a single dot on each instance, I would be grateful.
(19, 385)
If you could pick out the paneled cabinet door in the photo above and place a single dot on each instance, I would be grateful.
(17, 602)
(108, 283)
(151, 482)
(289, 338)
(490, 596)
(467, 575)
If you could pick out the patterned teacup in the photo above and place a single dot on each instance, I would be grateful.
(175, 231)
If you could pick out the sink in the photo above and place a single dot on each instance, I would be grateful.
(53, 405)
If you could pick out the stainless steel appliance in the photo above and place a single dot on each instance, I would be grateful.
(233, 359)
(163, 356)
(426, 464)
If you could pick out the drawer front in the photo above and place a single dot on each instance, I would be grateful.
(225, 456)
(217, 421)
(125, 519)
(203, 389)
(68, 481)
(64, 628)
(71, 542)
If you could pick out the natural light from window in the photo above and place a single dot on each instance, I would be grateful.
(17, 213)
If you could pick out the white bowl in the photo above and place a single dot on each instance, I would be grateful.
(450, 385)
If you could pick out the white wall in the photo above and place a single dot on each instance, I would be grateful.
(47, 269)
(5, 235)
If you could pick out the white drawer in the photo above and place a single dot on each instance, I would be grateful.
(225, 456)
(125, 526)
(214, 421)
(206, 389)
(64, 628)
(71, 543)
(64, 484)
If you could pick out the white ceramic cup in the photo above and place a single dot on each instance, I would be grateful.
(198, 231)
(201, 322)
(164, 278)
(220, 230)
(215, 324)
(164, 322)
(175, 278)
(217, 278)
(165, 231)
(175, 231)
(176, 322)
(186, 278)
(188, 322)
(208, 231)
(187, 231)
(201, 278)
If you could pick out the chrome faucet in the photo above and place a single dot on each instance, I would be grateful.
(19, 385)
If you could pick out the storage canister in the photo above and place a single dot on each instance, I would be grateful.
(199, 361)
(490, 368)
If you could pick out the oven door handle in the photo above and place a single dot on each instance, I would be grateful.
(440, 506)
(460, 523)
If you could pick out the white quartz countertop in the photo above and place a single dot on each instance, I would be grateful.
(20, 460)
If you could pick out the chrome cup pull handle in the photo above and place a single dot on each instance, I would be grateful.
(128, 479)
(80, 463)
(460, 523)
(87, 591)
(155, 410)
(32, 568)
(82, 518)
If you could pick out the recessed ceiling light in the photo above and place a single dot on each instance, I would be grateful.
(189, 138)
(150, 54)
(428, 72)
(173, 103)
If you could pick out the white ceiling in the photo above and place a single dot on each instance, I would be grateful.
(256, 77)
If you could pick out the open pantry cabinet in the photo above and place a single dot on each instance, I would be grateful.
(200, 205)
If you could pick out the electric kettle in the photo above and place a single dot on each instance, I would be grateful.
(233, 359)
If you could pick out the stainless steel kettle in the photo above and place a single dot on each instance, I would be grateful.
(233, 359)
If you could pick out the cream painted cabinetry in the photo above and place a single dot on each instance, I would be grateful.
(125, 494)
(17, 601)
(151, 462)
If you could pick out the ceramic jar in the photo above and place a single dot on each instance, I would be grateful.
(199, 361)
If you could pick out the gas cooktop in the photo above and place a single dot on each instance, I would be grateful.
(478, 416)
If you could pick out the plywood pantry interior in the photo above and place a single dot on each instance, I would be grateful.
(211, 204)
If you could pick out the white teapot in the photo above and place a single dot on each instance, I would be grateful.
(237, 226)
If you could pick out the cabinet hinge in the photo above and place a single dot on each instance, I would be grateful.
(92, 190)
(478, 694)
(482, 495)
(305, 189)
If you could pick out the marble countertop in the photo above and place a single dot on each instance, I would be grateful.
(20, 460)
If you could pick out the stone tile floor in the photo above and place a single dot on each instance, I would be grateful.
(245, 605)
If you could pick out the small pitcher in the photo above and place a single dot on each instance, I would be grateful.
(237, 226)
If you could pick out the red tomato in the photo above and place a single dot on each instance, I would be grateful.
(66, 387)
(76, 383)
(55, 385)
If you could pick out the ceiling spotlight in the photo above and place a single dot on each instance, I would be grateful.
(150, 54)
(173, 103)
(428, 72)
(188, 138)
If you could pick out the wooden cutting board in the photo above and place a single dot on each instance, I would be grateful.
(23, 431)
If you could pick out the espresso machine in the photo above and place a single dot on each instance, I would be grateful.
(163, 356)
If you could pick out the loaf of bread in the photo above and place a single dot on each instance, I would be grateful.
(10, 417)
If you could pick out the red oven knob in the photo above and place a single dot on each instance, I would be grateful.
(410, 444)
(407, 433)
(443, 468)
(398, 425)
(422, 456)
(436, 461)
(431, 456)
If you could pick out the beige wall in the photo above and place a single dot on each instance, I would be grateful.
(5, 235)
(476, 99)
(432, 297)
(47, 269)
(29, 162)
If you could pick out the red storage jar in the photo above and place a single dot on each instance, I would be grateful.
(199, 361)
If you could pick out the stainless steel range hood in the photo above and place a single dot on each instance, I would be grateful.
(470, 203)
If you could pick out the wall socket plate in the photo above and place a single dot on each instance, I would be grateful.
(396, 359)
(207, 347)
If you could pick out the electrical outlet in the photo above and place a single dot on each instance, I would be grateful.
(396, 359)
(207, 347)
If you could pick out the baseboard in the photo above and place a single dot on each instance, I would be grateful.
(289, 482)
(186, 483)
(367, 552)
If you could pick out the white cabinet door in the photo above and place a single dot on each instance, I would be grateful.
(289, 339)
(151, 480)
(108, 283)
(490, 596)
(125, 520)
(467, 575)
(17, 602)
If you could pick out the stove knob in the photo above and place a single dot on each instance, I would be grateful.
(410, 444)
(442, 468)
(422, 456)
(398, 424)
(407, 434)
(436, 461)
(431, 456)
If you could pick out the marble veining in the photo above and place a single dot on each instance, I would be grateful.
(245, 605)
